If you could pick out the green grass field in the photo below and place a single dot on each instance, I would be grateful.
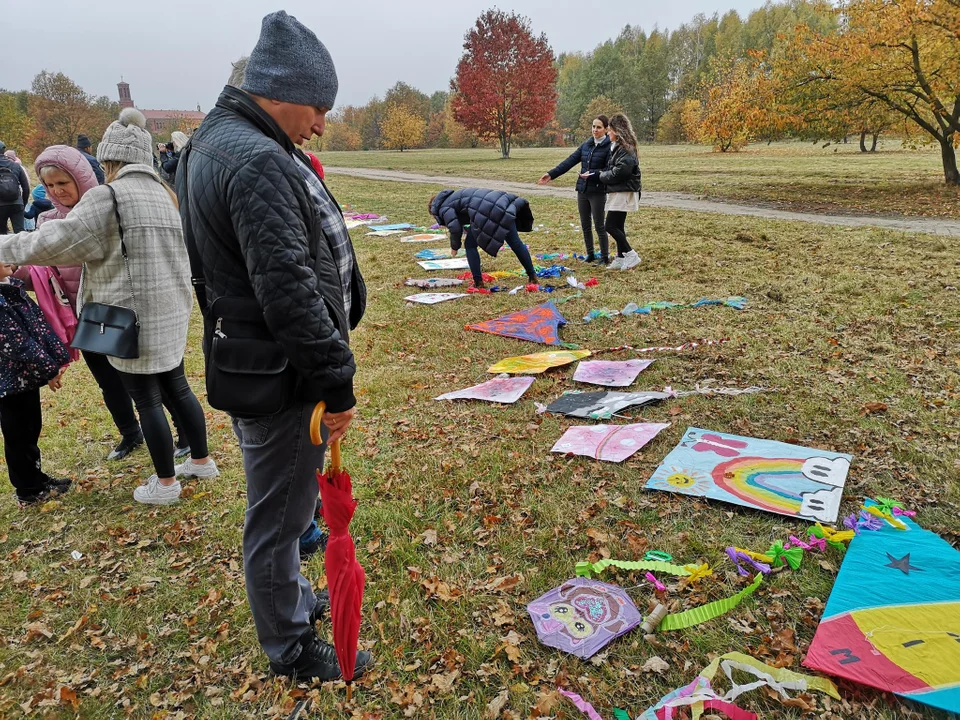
(838, 179)
(465, 515)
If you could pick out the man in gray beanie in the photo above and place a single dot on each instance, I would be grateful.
(279, 287)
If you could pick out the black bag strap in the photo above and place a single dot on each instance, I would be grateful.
(197, 279)
(123, 251)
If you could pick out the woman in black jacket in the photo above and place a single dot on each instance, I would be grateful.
(621, 178)
(592, 156)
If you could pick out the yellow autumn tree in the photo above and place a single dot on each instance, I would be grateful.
(730, 108)
(901, 56)
(15, 125)
(401, 128)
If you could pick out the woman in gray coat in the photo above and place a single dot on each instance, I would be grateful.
(157, 288)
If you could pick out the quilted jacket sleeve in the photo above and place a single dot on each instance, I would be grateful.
(452, 223)
(619, 168)
(273, 237)
(575, 157)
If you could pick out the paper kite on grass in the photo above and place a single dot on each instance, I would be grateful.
(893, 619)
(505, 390)
(611, 443)
(761, 474)
(432, 298)
(601, 405)
(537, 362)
(582, 616)
(422, 237)
(448, 264)
(539, 324)
(612, 373)
(431, 283)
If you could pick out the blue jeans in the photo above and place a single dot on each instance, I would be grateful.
(281, 464)
(515, 243)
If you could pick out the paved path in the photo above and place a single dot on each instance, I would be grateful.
(676, 201)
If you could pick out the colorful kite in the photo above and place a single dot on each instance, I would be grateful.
(582, 616)
(395, 226)
(611, 443)
(432, 283)
(893, 619)
(432, 298)
(436, 254)
(422, 237)
(448, 264)
(505, 390)
(537, 362)
(601, 405)
(762, 474)
(612, 373)
(538, 324)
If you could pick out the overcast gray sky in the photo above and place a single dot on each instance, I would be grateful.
(176, 54)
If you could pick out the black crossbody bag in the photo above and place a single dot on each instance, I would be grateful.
(248, 373)
(110, 329)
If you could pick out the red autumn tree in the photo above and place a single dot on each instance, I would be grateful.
(505, 82)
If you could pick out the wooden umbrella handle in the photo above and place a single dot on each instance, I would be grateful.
(315, 420)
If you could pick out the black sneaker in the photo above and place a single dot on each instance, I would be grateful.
(321, 608)
(181, 449)
(311, 548)
(318, 660)
(58, 486)
(590, 259)
(25, 501)
(126, 446)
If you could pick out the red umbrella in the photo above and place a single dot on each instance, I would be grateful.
(345, 576)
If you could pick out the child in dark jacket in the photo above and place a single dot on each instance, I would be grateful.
(495, 217)
(31, 355)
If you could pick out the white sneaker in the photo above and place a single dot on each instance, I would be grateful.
(153, 493)
(617, 264)
(631, 259)
(192, 469)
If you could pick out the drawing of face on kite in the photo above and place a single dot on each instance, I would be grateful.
(582, 616)
(777, 477)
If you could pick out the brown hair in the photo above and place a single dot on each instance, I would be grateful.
(112, 167)
(430, 206)
(604, 119)
(624, 130)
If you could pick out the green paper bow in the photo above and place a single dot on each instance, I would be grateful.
(792, 557)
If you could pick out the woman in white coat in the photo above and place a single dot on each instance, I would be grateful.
(154, 282)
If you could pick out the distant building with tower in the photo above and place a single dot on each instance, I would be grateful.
(159, 121)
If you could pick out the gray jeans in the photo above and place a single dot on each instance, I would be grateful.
(280, 463)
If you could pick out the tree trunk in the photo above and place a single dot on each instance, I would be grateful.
(863, 141)
(504, 146)
(873, 145)
(951, 176)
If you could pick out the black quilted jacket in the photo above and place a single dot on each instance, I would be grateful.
(622, 173)
(248, 209)
(491, 215)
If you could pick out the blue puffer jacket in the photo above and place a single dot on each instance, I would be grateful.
(31, 354)
(591, 156)
(491, 215)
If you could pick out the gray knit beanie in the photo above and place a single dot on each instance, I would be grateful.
(290, 64)
(126, 140)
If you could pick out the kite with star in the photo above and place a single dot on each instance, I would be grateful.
(893, 618)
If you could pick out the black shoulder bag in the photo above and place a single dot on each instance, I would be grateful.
(247, 371)
(109, 329)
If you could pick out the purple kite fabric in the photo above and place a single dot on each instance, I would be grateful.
(611, 373)
(506, 390)
(539, 324)
(612, 443)
(583, 616)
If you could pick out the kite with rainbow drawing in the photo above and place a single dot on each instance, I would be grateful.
(761, 474)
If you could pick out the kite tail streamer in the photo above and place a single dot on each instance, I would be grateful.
(582, 705)
(587, 570)
(689, 618)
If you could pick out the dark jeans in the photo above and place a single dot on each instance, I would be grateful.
(13, 213)
(117, 399)
(590, 206)
(615, 222)
(146, 391)
(281, 467)
(515, 243)
(20, 422)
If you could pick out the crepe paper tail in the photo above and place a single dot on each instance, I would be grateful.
(877, 513)
(836, 538)
(888, 505)
(815, 543)
(592, 282)
(739, 556)
(619, 714)
(759, 557)
(907, 513)
(568, 298)
(785, 556)
(651, 578)
(777, 678)
(657, 556)
(689, 618)
(582, 705)
(587, 569)
(653, 620)
(697, 572)
(797, 542)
